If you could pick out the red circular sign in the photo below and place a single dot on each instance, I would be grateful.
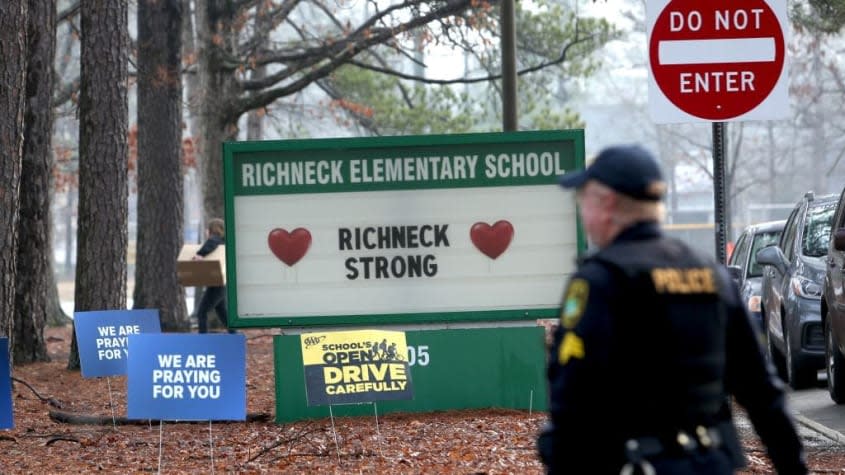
(716, 59)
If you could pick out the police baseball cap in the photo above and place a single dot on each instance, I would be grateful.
(628, 169)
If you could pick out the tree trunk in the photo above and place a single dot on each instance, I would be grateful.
(217, 123)
(160, 187)
(103, 191)
(35, 246)
(12, 77)
(255, 117)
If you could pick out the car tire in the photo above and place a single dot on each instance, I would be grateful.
(798, 375)
(835, 365)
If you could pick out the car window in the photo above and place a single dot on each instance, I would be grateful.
(817, 226)
(740, 252)
(788, 236)
(761, 240)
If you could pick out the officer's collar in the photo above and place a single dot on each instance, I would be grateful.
(638, 231)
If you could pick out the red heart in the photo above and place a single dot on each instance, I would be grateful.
(289, 247)
(492, 240)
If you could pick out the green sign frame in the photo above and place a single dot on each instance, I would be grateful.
(451, 369)
(351, 165)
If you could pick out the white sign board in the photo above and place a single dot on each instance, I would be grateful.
(400, 230)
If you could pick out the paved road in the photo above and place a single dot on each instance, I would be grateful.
(821, 423)
(814, 408)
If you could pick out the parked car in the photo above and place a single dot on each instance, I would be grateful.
(833, 306)
(744, 268)
(792, 289)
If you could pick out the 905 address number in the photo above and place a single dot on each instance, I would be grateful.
(418, 355)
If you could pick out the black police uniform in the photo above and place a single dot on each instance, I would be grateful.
(652, 343)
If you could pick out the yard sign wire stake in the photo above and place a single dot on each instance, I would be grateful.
(111, 404)
(160, 430)
(334, 431)
(211, 446)
(531, 401)
(378, 432)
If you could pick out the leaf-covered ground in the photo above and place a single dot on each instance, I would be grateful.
(478, 441)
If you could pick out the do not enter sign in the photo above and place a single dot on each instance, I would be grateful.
(717, 60)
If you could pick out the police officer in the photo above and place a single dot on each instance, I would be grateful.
(652, 343)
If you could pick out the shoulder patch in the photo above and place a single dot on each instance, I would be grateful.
(572, 346)
(574, 303)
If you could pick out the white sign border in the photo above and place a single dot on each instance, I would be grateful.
(773, 107)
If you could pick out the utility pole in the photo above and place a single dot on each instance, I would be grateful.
(508, 30)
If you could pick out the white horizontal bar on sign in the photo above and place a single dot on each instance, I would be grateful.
(734, 50)
(377, 298)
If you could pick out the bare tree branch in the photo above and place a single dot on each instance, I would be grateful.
(68, 13)
(244, 4)
(362, 120)
(93, 419)
(366, 35)
(327, 59)
(402, 89)
(51, 401)
(274, 18)
(308, 64)
(560, 59)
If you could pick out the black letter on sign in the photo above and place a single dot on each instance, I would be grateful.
(440, 237)
(430, 265)
(344, 238)
(353, 271)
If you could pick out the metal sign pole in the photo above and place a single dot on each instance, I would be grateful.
(719, 195)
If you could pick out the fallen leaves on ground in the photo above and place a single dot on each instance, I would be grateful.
(494, 441)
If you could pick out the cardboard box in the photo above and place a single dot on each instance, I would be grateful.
(207, 272)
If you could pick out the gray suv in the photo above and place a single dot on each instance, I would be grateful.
(744, 268)
(792, 290)
(833, 306)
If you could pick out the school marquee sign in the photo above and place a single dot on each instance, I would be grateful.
(418, 229)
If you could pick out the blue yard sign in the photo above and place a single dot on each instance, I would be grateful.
(187, 377)
(102, 337)
(6, 417)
